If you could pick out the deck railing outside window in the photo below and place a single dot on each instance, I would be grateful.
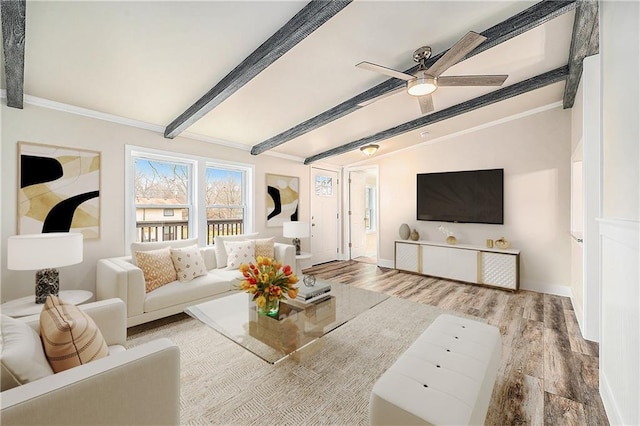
(179, 230)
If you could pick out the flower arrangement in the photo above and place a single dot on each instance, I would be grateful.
(269, 282)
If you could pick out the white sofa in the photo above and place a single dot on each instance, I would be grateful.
(119, 277)
(133, 386)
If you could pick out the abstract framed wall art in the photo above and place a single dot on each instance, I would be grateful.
(59, 190)
(282, 199)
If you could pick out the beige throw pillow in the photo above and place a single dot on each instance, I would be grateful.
(239, 252)
(23, 358)
(265, 247)
(69, 335)
(157, 267)
(188, 262)
(155, 245)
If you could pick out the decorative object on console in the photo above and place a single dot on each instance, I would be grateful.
(44, 252)
(450, 238)
(295, 230)
(282, 199)
(309, 280)
(404, 231)
(59, 190)
(502, 243)
(489, 243)
(415, 236)
(269, 282)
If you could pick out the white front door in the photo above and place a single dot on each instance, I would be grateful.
(357, 226)
(324, 216)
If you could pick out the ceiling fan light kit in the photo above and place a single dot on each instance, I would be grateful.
(370, 149)
(424, 81)
(422, 85)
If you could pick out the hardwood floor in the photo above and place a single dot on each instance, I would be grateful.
(549, 373)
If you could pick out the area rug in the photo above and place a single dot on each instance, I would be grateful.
(328, 383)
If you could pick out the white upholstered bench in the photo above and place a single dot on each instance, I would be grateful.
(446, 376)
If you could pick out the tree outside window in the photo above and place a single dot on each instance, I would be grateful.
(226, 201)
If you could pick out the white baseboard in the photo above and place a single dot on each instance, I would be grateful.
(608, 401)
(555, 289)
(386, 263)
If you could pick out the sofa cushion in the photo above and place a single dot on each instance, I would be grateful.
(221, 251)
(188, 262)
(239, 252)
(136, 247)
(69, 335)
(157, 267)
(22, 356)
(265, 247)
(177, 293)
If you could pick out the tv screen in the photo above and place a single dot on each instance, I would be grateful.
(469, 196)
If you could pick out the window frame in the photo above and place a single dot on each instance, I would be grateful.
(197, 188)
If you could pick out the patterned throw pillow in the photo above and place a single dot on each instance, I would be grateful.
(70, 337)
(157, 267)
(239, 252)
(188, 262)
(264, 247)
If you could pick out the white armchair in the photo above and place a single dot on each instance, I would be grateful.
(137, 386)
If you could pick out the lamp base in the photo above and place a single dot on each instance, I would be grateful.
(47, 282)
(296, 242)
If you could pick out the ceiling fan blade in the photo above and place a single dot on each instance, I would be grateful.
(472, 80)
(377, 98)
(458, 51)
(384, 70)
(426, 104)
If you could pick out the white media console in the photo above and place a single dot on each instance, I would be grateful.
(478, 265)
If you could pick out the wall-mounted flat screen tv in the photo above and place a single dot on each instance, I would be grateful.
(475, 196)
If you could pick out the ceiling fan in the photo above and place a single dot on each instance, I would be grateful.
(425, 81)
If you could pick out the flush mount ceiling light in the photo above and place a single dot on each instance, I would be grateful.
(369, 150)
(422, 85)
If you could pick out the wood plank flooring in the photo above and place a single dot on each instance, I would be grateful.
(549, 373)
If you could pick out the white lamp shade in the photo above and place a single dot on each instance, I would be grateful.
(42, 251)
(295, 229)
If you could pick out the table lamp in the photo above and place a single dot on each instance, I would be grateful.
(44, 252)
(295, 230)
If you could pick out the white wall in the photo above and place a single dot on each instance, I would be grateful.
(620, 226)
(534, 152)
(41, 125)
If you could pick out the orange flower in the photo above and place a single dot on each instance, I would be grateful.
(292, 293)
(293, 279)
(261, 301)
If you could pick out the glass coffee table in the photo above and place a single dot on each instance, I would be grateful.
(298, 325)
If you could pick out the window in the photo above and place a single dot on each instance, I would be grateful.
(162, 199)
(176, 196)
(226, 201)
(324, 185)
(369, 211)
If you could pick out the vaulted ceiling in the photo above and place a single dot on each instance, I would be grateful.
(151, 61)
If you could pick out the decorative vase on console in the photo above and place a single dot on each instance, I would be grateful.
(450, 238)
(414, 236)
(404, 231)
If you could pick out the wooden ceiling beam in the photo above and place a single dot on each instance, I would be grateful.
(505, 93)
(518, 24)
(584, 42)
(13, 14)
(310, 18)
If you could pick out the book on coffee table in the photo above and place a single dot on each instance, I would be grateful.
(312, 294)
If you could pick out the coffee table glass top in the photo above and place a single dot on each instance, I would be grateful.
(298, 324)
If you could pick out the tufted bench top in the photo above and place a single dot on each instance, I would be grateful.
(446, 376)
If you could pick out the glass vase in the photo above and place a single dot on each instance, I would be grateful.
(270, 308)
